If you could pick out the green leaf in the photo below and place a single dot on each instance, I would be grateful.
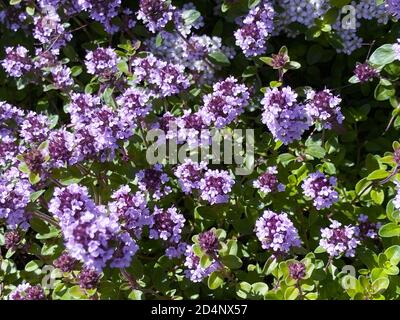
(190, 16)
(231, 261)
(393, 254)
(389, 230)
(123, 67)
(383, 92)
(316, 151)
(76, 292)
(215, 280)
(135, 295)
(380, 285)
(219, 58)
(260, 288)
(14, 2)
(383, 55)
(378, 196)
(76, 71)
(36, 195)
(253, 3)
(34, 178)
(291, 293)
(32, 265)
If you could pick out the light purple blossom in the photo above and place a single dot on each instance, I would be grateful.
(338, 239)
(215, 186)
(101, 62)
(194, 271)
(396, 48)
(176, 250)
(393, 7)
(268, 182)
(60, 148)
(155, 14)
(276, 232)
(189, 175)
(323, 107)
(167, 224)
(367, 229)
(154, 181)
(35, 128)
(255, 28)
(17, 61)
(225, 104)
(25, 291)
(285, 118)
(321, 189)
(364, 72)
(191, 129)
(62, 77)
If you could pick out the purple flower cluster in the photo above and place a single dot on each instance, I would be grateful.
(364, 72)
(194, 271)
(396, 48)
(268, 182)
(167, 224)
(321, 190)
(208, 242)
(65, 262)
(338, 239)
(17, 61)
(176, 250)
(255, 28)
(155, 14)
(15, 192)
(189, 175)
(12, 239)
(226, 102)
(297, 270)
(90, 235)
(366, 229)
(393, 7)
(191, 128)
(101, 62)
(277, 233)
(323, 107)
(13, 17)
(130, 209)
(35, 128)
(88, 278)
(60, 148)
(102, 12)
(163, 78)
(215, 186)
(26, 291)
(285, 118)
(62, 77)
(153, 181)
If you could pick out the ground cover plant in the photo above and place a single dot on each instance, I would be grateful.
(204, 149)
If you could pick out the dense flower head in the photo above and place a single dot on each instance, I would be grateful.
(191, 128)
(13, 17)
(176, 250)
(194, 271)
(164, 78)
(338, 239)
(323, 107)
(226, 102)
(297, 270)
(167, 224)
(215, 186)
(255, 28)
(10, 113)
(268, 182)
(208, 242)
(154, 181)
(12, 239)
(102, 11)
(367, 229)
(155, 14)
(320, 189)
(65, 262)
(8, 147)
(189, 175)
(26, 291)
(284, 116)
(50, 31)
(15, 192)
(62, 77)
(364, 72)
(276, 233)
(396, 48)
(101, 62)
(393, 7)
(88, 278)
(130, 209)
(60, 148)
(179, 22)
(17, 61)
(35, 128)
(90, 235)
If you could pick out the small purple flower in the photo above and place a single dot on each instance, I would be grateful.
(65, 262)
(61, 145)
(12, 239)
(88, 278)
(215, 186)
(62, 77)
(176, 250)
(321, 190)
(323, 107)
(194, 271)
(367, 229)
(393, 7)
(189, 175)
(130, 209)
(154, 181)
(268, 182)
(17, 61)
(364, 72)
(285, 118)
(155, 14)
(191, 129)
(297, 270)
(167, 224)
(338, 239)
(396, 48)
(102, 62)
(35, 128)
(277, 233)
(225, 104)
(208, 242)
(255, 28)
(26, 291)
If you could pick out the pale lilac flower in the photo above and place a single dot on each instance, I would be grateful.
(26, 291)
(155, 14)
(154, 181)
(194, 271)
(364, 72)
(17, 61)
(189, 175)
(167, 224)
(268, 182)
(321, 189)
(215, 186)
(102, 62)
(367, 229)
